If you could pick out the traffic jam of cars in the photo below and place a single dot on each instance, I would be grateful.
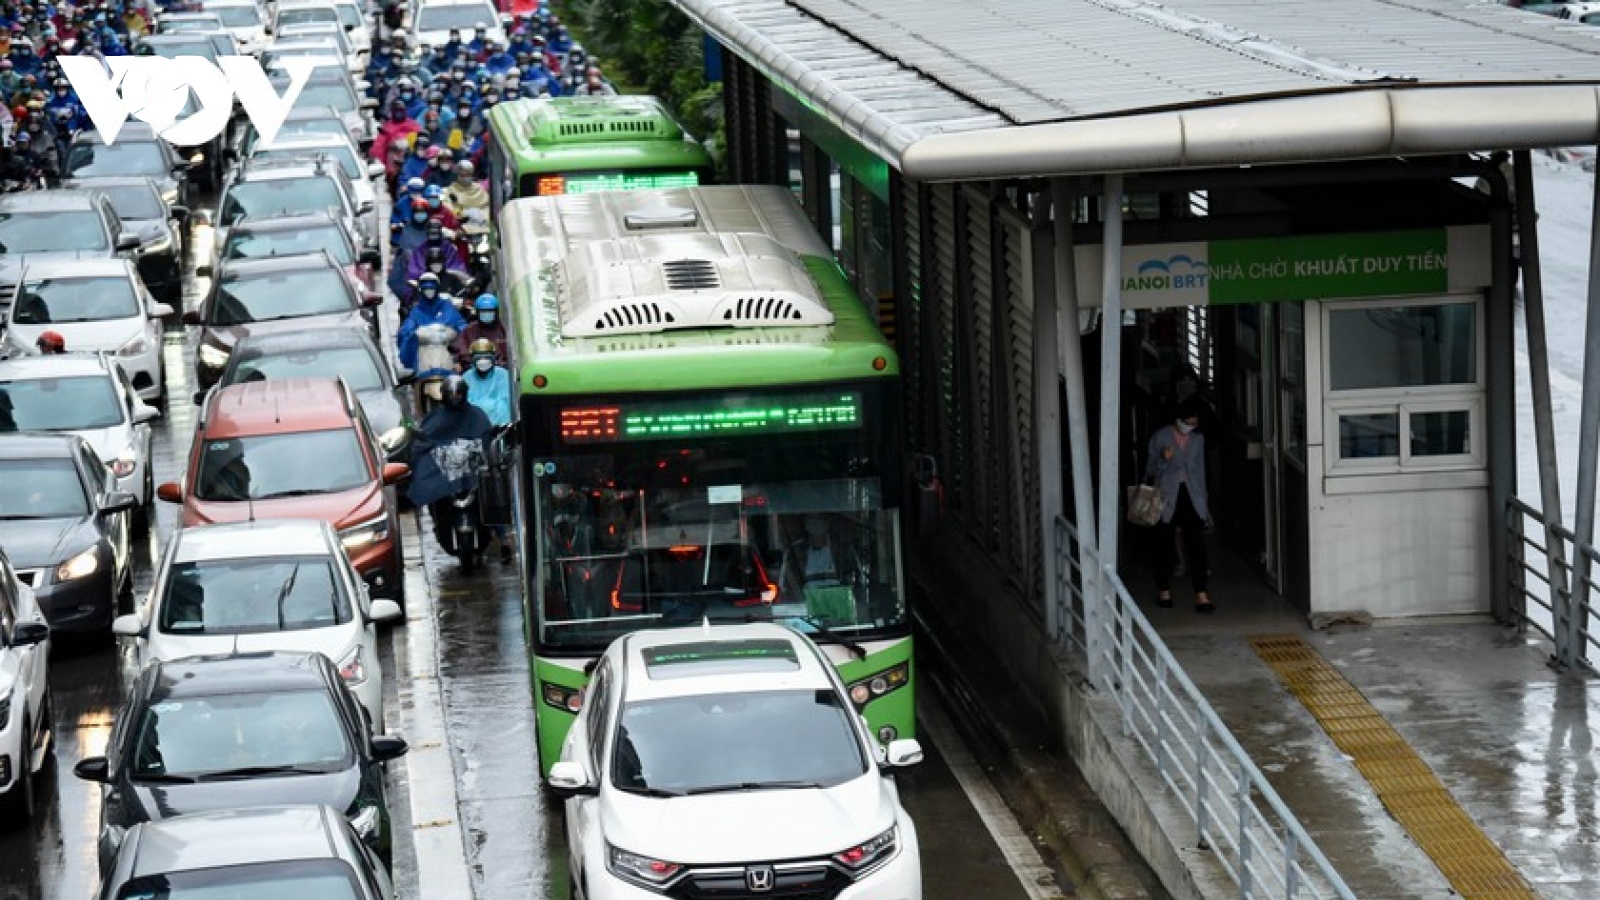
(251, 756)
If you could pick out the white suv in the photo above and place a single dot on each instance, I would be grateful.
(728, 760)
(26, 740)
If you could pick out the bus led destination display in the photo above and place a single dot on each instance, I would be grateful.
(701, 417)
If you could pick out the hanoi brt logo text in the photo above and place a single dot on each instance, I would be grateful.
(157, 90)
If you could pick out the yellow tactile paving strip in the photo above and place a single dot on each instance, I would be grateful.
(1475, 867)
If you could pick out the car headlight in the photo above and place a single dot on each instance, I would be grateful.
(162, 246)
(365, 533)
(5, 711)
(640, 869)
(213, 357)
(865, 854)
(170, 195)
(81, 566)
(876, 685)
(125, 462)
(365, 821)
(352, 669)
(138, 344)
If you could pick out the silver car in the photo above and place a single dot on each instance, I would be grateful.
(97, 305)
(26, 738)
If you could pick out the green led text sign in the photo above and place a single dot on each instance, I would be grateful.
(710, 417)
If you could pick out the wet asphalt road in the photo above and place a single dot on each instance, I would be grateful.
(511, 829)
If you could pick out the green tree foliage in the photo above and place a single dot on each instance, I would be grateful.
(650, 47)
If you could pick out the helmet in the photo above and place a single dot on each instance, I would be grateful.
(431, 193)
(430, 154)
(52, 342)
(455, 392)
(481, 345)
(420, 204)
(465, 168)
(428, 284)
(415, 186)
(486, 301)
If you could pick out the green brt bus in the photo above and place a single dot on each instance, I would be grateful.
(708, 425)
(573, 145)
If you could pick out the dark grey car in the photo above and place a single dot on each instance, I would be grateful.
(208, 733)
(348, 353)
(146, 211)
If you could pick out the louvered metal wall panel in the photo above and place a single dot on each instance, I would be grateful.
(1023, 538)
(913, 337)
(942, 291)
(978, 337)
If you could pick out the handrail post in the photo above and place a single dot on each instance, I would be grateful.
(1200, 781)
(1246, 879)
(1517, 572)
(1108, 532)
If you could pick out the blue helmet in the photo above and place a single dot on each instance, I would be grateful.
(486, 301)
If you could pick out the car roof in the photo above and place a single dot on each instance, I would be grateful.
(235, 673)
(309, 112)
(757, 657)
(252, 346)
(64, 365)
(323, 141)
(52, 200)
(209, 840)
(262, 169)
(256, 538)
(131, 131)
(277, 406)
(253, 267)
(91, 267)
(95, 182)
(289, 222)
(37, 445)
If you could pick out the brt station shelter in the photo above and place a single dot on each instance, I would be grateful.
(1072, 212)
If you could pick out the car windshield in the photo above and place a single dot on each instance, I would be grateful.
(75, 403)
(740, 741)
(252, 596)
(50, 301)
(136, 201)
(290, 242)
(279, 197)
(311, 127)
(265, 466)
(323, 93)
(299, 15)
(86, 159)
(312, 31)
(190, 46)
(52, 232)
(41, 489)
(177, 25)
(238, 16)
(462, 16)
(208, 738)
(298, 50)
(346, 157)
(282, 295)
(302, 879)
(354, 364)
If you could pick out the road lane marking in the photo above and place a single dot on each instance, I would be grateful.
(1037, 878)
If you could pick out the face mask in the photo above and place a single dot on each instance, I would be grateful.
(486, 317)
(1184, 427)
(483, 365)
(406, 95)
(430, 293)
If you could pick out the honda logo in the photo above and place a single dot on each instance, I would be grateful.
(758, 878)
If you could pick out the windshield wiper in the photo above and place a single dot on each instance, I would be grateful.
(751, 786)
(650, 791)
(297, 492)
(162, 778)
(283, 593)
(255, 771)
(855, 648)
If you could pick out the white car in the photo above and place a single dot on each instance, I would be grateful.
(352, 15)
(96, 305)
(245, 19)
(357, 168)
(89, 395)
(284, 584)
(432, 20)
(723, 760)
(26, 738)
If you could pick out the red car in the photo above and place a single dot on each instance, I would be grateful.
(297, 448)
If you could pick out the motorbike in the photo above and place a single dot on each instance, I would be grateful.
(479, 473)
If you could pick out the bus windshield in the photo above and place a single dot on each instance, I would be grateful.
(621, 552)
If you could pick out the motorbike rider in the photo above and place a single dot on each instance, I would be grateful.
(433, 307)
(434, 244)
(408, 237)
(486, 327)
(415, 167)
(31, 159)
(488, 382)
(403, 203)
(453, 420)
(66, 113)
(397, 130)
(467, 198)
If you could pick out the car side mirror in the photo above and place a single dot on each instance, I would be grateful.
(903, 752)
(93, 768)
(180, 168)
(144, 412)
(567, 779)
(385, 610)
(29, 632)
(405, 377)
(193, 317)
(170, 491)
(371, 299)
(369, 103)
(118, 501)
(129, 625)
(365, 208)
(386, 747)
(394, 473)
(375, 170)
(203, 271)
(127, 241)
(159, 310)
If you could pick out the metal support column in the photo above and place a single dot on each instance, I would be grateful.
(1110, 395)
(1064, 201)
(1544, 429)
(1046, 412)
(1500, 341)
(1571, 648)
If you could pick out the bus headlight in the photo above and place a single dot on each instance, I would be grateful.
(874, 686)
(566, 699)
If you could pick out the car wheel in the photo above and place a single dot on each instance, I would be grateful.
(17, 809)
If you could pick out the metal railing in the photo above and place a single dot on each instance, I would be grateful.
(1235, 813)
(1543, 594)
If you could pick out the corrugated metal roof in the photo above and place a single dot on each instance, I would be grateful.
(928, 83)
